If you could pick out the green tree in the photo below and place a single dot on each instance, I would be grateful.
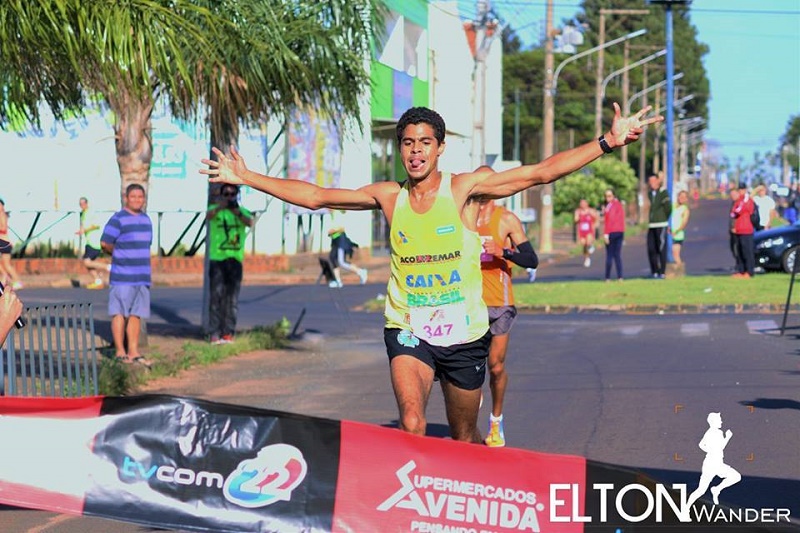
(591, 181)
(243, 60)
(66, 53)
(282, 55)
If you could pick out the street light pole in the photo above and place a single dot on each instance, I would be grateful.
(670, 96)
(550, 84)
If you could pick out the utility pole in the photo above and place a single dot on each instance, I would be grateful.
(623, 153)
(642, 153)
(485, 27)
(598, 100)
(546, 191)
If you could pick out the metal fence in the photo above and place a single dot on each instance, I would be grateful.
(54, 355)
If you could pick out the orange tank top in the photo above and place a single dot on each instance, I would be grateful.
(497, 290)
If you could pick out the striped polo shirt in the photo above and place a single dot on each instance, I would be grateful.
(131, 234)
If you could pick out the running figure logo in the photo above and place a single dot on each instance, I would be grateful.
(713, 443)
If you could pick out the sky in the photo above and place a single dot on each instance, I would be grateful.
(753, 64)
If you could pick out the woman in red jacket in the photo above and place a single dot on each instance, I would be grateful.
(613, 233)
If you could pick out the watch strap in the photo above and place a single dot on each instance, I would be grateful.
(604, 145)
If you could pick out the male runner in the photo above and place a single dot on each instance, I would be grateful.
(436, 321)
(504, 242)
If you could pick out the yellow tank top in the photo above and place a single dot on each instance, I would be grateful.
(496, 271)
(435, 284)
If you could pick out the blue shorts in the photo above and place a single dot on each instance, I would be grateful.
(129, 300)
(90, 252)
(463, 365)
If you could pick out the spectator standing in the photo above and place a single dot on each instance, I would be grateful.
(342, 249)
(743, 207)
(504, 242)
(660, 208)
(8, 274)
(586, 221)
(678, 221)
(127, 236)
(766, 207)
(227, 229)
(613, 233)
(90, 230)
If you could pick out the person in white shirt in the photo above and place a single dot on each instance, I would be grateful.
(766, 207)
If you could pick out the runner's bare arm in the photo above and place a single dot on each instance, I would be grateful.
(232, 169)
(624, 130)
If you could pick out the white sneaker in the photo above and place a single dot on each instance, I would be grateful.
(587, 262)
(362, 274)
(335, 285)
(591, 249)
(531, 275)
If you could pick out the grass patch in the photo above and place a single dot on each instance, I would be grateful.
(685, 291)
(688, 291)
(118, 379)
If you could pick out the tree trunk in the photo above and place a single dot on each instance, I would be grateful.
(134, 142)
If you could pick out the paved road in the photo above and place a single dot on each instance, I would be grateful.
(624, 389)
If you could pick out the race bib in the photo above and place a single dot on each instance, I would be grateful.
(584, 226)
(441, 326)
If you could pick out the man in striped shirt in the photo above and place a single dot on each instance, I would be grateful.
(127, 236)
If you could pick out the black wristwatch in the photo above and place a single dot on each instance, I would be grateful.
(604, 145)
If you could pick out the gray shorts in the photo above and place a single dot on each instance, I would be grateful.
(129, 300)
(501, 319)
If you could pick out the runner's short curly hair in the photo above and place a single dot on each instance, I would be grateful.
(420, 115)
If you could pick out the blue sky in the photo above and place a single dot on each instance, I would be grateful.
(753, 64)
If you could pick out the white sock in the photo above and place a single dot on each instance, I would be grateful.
(493, 418)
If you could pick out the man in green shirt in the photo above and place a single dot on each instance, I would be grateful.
(90, 229)
(228, 223)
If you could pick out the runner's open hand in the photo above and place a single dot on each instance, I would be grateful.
(625, 130)
(226, 169)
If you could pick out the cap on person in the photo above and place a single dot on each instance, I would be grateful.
(742, 186)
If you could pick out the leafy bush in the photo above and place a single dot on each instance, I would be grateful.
(41, 249)
(590, 183)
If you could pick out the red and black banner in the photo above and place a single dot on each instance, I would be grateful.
(181, 463)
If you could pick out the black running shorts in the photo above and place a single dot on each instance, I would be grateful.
(463, 365)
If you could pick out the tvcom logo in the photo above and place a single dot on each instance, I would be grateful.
(268, 478)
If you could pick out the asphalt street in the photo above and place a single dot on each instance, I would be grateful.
(631, 390)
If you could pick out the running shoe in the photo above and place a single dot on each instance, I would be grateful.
(587, 262)
(96, 284)
(496, 437)
(362, 274)
(335, 284)
(17, 285)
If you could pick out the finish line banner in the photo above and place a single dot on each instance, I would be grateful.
(171, 462)
(181, 463)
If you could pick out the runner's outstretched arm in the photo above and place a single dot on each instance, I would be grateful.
(624, 130)
(232, 169)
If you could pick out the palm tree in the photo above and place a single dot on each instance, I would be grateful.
(283, 55)
(65, 53)
(243, 59)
